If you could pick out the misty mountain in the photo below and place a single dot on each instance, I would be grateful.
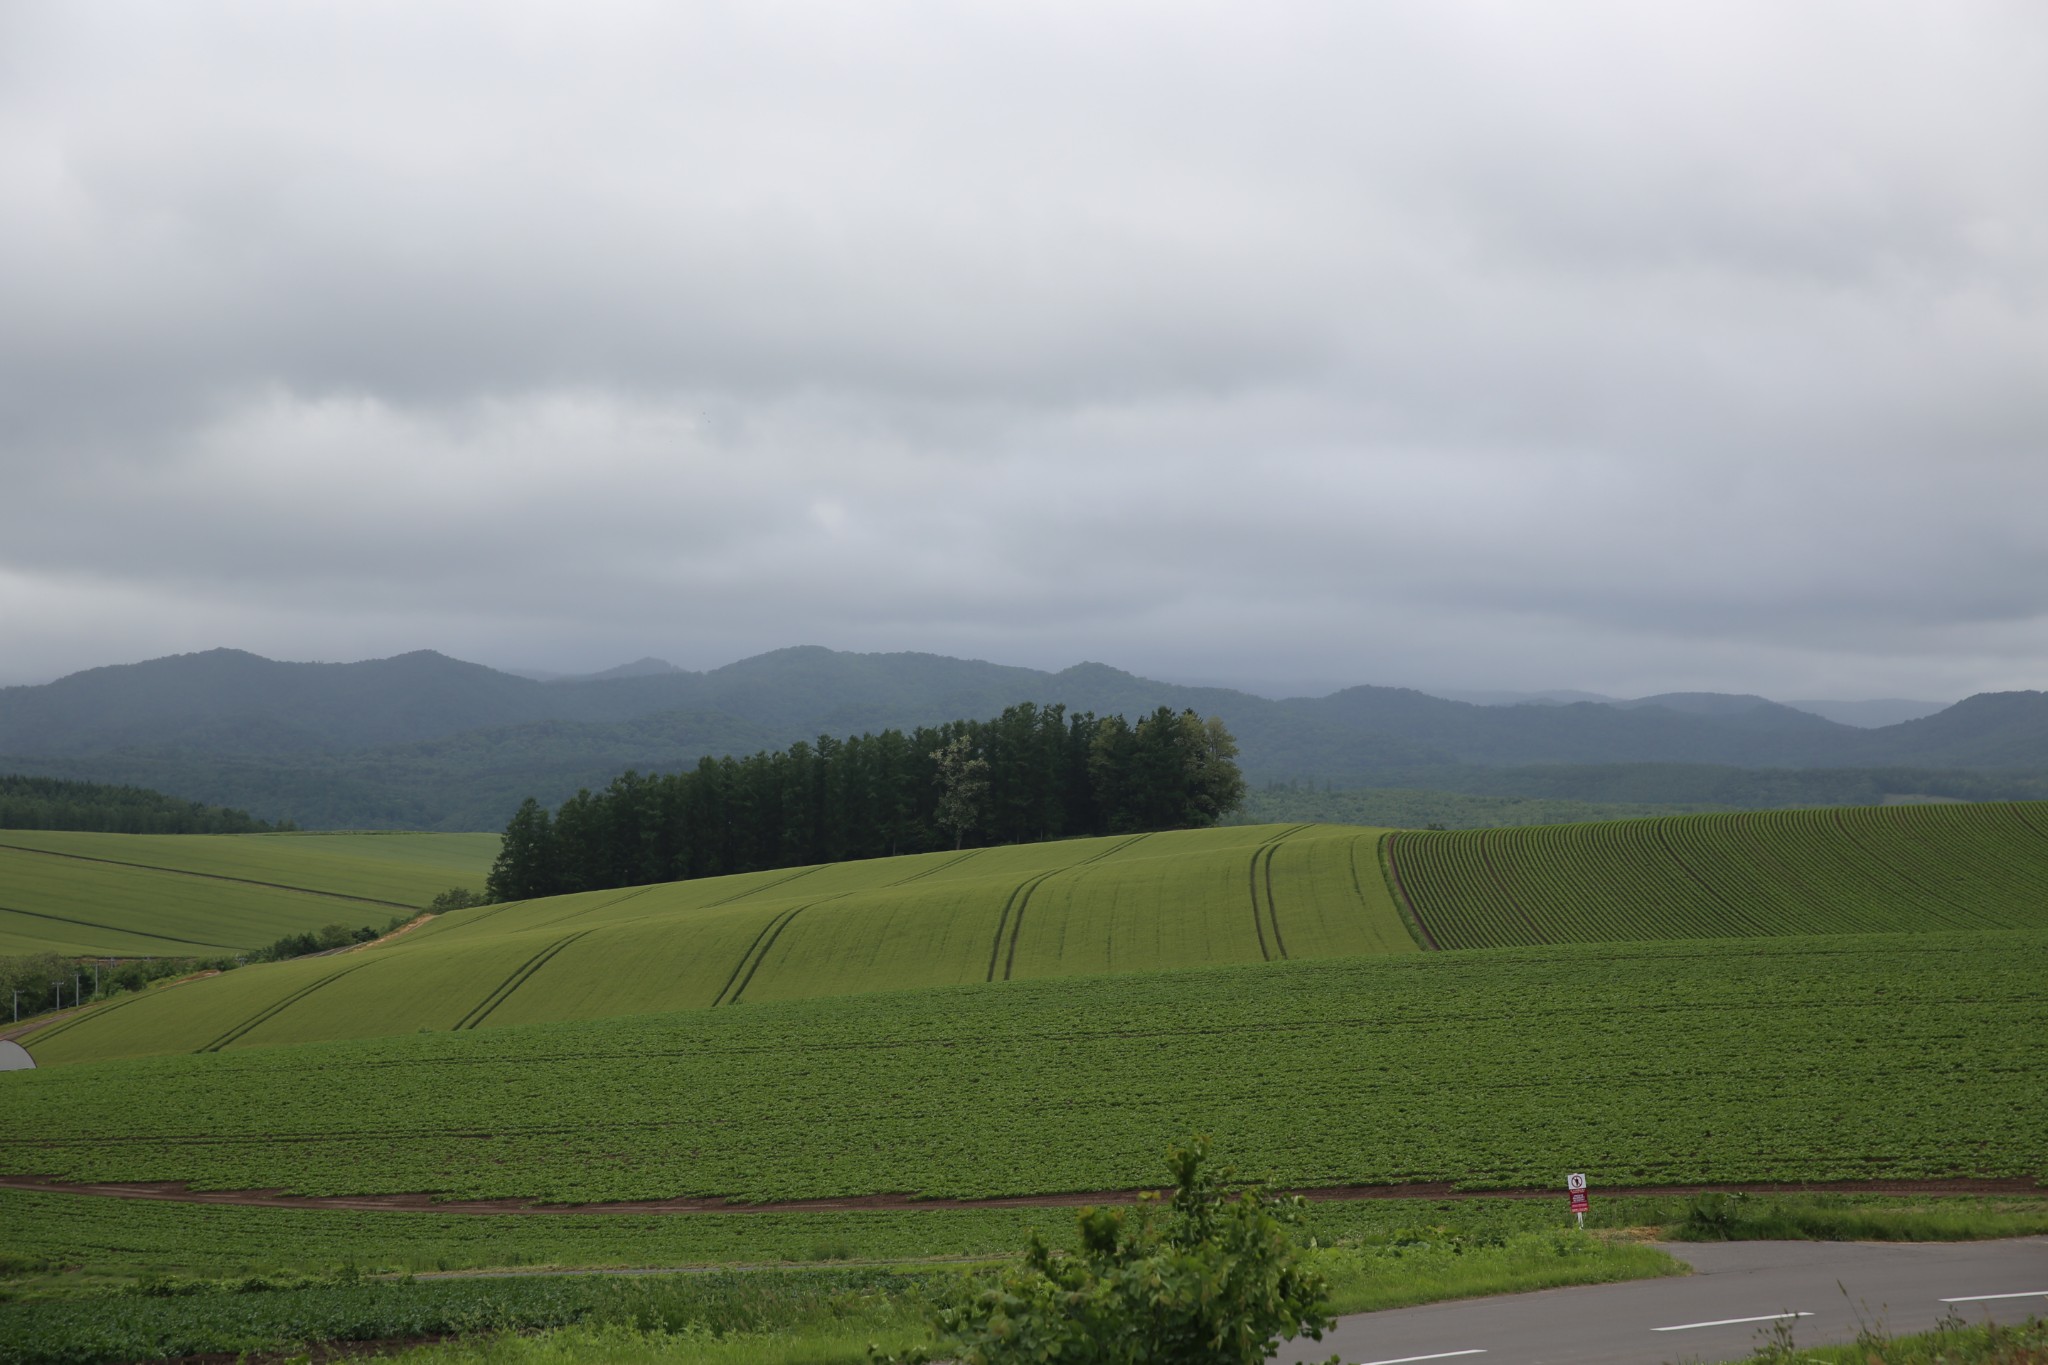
(1869, 715)
(1557, 696)
(639, 668)
(424, 740)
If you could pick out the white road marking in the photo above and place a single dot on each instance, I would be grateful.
(1440, 1355)
(1980, 1298)
(1730, 1322)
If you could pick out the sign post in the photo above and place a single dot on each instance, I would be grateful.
(1575, 1185)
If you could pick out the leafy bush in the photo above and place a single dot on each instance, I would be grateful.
(1220, 1282)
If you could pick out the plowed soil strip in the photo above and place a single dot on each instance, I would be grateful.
(177, 1191)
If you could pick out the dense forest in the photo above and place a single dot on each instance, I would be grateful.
(1032, 773)
(53, 803)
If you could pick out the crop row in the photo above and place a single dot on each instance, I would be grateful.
(1860, 870)
(1909, 1056)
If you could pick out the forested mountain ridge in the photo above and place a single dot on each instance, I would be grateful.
(426, 741)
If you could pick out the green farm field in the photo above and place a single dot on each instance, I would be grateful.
(1903, 1057)
(1080, 907)
(103, 1236)
(177, 895)
(1872, 869)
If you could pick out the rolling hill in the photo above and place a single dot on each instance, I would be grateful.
(185, 895)
(1080, 907)
(1086, 907)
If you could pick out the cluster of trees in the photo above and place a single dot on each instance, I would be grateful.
(325, 939)
(1032, 773)
(41, 982)
(54, 803)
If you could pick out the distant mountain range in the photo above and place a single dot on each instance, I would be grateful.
(423, 740)
(1862, 714)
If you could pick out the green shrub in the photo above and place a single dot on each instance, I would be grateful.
(1219, 1282)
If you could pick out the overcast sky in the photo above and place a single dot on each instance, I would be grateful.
(1612, 346)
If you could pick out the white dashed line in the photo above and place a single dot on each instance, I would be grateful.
(1730, 1322)
(1980, 1298)
(1440, 1355)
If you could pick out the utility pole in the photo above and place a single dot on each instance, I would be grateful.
(58, 987)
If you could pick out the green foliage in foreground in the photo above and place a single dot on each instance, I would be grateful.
(166, 1320)
(1219, 1281)
(614, 1345)
(1955, 1343)
(1899, 1057)
(725, 1318)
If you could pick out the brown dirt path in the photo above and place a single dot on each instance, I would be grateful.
(405, 928)
(177, 1191)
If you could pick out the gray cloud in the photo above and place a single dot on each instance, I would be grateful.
(1605, 346)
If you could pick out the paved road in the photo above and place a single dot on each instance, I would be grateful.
(1652, 1322)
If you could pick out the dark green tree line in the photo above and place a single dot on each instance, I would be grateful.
(1032, 773)
(57, 803)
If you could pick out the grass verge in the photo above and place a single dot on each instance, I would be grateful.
(1842, 1218)
(1959, 1343)
(1401, 1274)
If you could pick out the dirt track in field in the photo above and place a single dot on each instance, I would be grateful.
(176, 1191)
(43, 1021)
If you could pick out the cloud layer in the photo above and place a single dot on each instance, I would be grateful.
(1601, 345)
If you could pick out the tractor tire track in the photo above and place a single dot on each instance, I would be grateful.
(1021, 897)
(767, 947)
(112, 928)
(1259, 915)
(265, 1015)
(940, 867)
(215, 877)
(769, 886)
(482, 1010)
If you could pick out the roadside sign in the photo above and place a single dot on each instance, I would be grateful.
(1575, 1185)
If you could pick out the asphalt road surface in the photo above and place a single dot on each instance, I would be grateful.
(1737, 1292)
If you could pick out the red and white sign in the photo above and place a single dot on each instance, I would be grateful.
(1575, 1184)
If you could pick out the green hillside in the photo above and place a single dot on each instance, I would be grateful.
(1912, 1056)
(1078, 907)
(1858, 870)
(177, 895)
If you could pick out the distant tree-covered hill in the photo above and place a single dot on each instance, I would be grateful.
(425, 741)
(53, 803)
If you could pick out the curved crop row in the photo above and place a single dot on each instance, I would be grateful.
(1863, 870)
(1085, 907)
